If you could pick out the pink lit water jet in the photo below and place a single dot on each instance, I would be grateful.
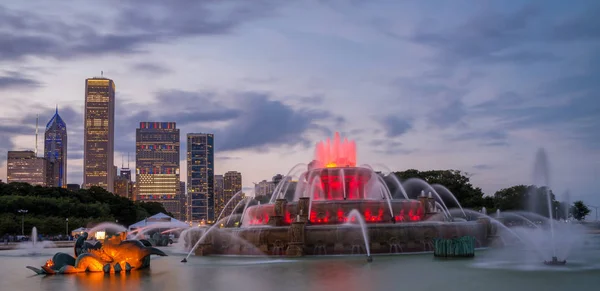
(336, 153)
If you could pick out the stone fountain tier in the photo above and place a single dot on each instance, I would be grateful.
(336, 212)
(299, 239)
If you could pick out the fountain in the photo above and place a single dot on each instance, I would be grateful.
(541, 177)
(34, 246)
(331, 192)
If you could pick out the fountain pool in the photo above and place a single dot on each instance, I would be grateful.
(413, 272)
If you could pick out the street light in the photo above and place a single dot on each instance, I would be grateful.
(67, 228)
(22, 211)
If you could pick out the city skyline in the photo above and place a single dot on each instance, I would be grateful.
(476, 88)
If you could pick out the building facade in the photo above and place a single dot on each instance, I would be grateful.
(219, 195)
(200, 177)
(232, 184)
(264, 188)
(157, 164)
(183, 215)
(25, 167)
(123, 184)
(99, 134)
(55, 152)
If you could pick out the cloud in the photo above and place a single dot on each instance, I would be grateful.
(150, 68)
(483, 167)
(226, 158)
(509, 99)
(584, 27)
(313, 100)
(267, 122)
(15, 80)
(388, 147)
(239, 120)
(489, 37)
(573, 115)
(27, 33)
(395, 126)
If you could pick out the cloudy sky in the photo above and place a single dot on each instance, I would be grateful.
(477, 86)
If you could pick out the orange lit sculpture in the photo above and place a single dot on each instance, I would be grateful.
(115, 255)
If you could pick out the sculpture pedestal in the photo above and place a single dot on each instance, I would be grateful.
(276, 220)
(296, 239)
(203, 250)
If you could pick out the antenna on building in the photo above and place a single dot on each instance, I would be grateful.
(127, 160)
(122, 161)
(101, 73)
(37, 119)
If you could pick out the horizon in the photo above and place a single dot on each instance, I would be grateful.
(478, 88)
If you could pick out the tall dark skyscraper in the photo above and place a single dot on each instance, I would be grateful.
(99, 134)
(200, 176)
(232, 184)
(157, 164)
(55, 152)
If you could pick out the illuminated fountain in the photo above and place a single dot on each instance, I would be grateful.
(317, 210)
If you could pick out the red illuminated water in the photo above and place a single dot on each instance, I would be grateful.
(336, 153)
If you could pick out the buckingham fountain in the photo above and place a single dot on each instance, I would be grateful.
(334, 207)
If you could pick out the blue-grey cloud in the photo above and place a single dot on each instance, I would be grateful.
(267, 122)
(483, 167)
(253, 120)
(520, 37)
(150, 68)
(16, 80)
(488, 37)
(447, 107)
(584, 27)
(509, 99)
(489, 138)
(389, 147)
(576, 114)
(26, 33)
(312, 100)
(395, 126)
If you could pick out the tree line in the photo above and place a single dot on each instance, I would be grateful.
(49, 207)
(519, 197)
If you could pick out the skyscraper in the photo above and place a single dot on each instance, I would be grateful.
(123, 185)
(55, 152)
(157, 164)
(232, 184)
(200, 176)
(99, 133)
(183, 215)
(25, 167)
(219, 195)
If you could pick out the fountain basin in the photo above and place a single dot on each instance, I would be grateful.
(303, 239)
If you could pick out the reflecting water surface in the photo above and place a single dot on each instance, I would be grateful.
(490, 270)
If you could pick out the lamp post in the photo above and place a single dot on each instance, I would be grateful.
(22, 211)
(67, 229)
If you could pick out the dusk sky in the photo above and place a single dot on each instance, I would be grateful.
(476, 86)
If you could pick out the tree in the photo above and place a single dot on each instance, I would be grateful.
(528, 198)
(457, 182)
(48, 208)
(579, 210)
